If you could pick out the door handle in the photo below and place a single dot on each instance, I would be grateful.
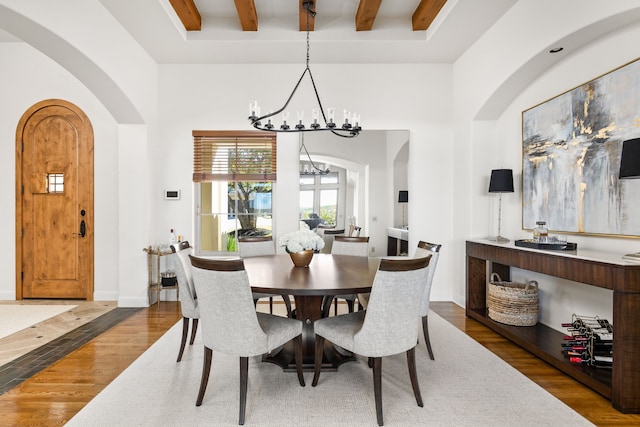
(83, 228)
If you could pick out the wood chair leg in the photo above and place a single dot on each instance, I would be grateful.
(206, 369)
(244, 374)
(335, 306)
(377, 387)
(317, 364)
(350, 304)
(297, 343)
(425, 330)
(194, 329)
(411, 363)
(326, 305)
(185, 332)
(287, 303)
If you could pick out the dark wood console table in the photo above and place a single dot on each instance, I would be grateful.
(620, 384)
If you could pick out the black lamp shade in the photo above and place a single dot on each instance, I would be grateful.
(403, 196)
(630, 159)
(501, 181)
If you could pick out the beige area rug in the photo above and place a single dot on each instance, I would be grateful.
(466, 385)
(16, 317)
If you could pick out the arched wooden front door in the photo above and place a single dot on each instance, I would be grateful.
(54, 202)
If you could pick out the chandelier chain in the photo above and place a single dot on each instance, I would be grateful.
(308, 13)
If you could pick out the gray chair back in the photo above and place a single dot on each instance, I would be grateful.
(188, 299)
(425, 249)
(256, 246)
(229, 320)
(345, 245)
(328, 237)
(390, 324)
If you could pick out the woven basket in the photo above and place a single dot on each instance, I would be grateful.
(513, 303)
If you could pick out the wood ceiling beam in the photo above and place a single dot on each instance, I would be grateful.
(302, 13)
(247, 14)
(425, 13)
(366, 14)
(188, 14)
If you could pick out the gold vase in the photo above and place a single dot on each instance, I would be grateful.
(302, 258)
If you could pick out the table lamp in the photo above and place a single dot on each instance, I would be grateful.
(501, 182)
(630, 169)
(403, 197)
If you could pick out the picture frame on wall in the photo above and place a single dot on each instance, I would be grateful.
(571, 146)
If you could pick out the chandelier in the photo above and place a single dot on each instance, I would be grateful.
(314, 169)
(349, 128)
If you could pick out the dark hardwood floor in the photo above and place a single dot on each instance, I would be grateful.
(55, 394)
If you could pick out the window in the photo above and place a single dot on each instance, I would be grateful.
(234, 174)
(55, 183)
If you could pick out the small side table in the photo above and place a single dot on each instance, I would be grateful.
(154, 256)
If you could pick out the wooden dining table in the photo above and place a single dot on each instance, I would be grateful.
(327, 276)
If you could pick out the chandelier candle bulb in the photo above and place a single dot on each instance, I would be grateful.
(300, 115)
(285, 119)
(331, 113)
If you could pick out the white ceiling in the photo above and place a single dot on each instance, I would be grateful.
(154, 24)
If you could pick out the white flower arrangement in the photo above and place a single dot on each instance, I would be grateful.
(301, 240)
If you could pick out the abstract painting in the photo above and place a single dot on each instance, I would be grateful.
(571, 157)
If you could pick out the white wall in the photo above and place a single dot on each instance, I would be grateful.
(488, 129)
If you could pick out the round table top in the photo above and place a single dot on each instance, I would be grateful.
(326, 275)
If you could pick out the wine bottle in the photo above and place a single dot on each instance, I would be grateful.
(605, 324)
(569, 344)
(172, 237)
(575, 324)
(581, 358)
(603, 360)
(603, 337)
(574, 337)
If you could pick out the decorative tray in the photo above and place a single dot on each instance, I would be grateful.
(551, 246)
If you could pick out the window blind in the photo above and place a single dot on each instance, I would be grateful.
(234, 156)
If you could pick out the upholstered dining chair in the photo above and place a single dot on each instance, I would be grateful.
(251, 246)
(231, 325)
(389, 325)
(329, 236)
(425, 249)
(346, 245)
(188, 299)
